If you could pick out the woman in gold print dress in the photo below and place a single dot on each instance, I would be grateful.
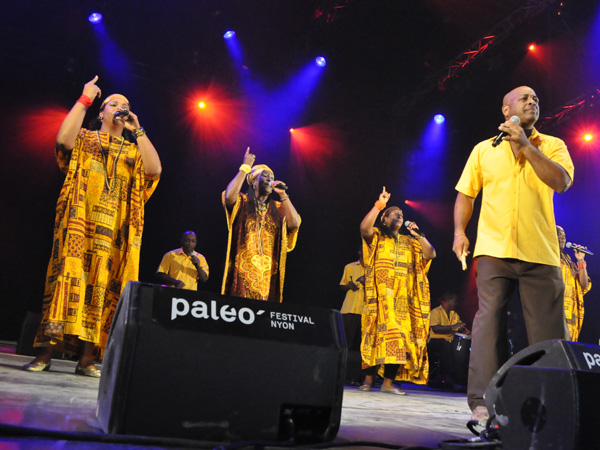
(98, 228)
(396, 323)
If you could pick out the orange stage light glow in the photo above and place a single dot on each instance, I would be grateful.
(588, 137)
(37, 129)
(314, 148)
(216, 119)
(437, 213)
(531, 47)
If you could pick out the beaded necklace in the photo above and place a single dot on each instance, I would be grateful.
(105, 161)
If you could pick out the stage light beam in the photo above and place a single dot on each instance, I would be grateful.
(229, 34)
(320, 61)
(439, 119)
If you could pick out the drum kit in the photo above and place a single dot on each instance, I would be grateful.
(461, 352)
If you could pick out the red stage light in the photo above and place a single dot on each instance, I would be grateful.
(531, 47)
(292, 130)
(201, 105)
(588, 137)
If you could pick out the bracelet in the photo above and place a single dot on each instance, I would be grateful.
(245, 168)
(85, 100)
(583, 265)
(139, 132)
(284, 199)
(459, 234)
(380, 205)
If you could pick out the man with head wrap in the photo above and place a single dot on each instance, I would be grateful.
(261, 232)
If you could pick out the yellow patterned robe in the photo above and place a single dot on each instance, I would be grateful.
(257, 249)
(396, 324)
(97, 239)
(573, 299)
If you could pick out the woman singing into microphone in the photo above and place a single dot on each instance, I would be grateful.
(577, 284)
(395, 325)
(98, 228)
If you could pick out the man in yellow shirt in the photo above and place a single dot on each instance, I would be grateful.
(353, 284)
(444, 323)
(516, 237)
(183, 267)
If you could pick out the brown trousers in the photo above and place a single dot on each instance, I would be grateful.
(541, 289)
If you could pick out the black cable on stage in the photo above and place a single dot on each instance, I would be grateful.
(25, 432)
(264, 444)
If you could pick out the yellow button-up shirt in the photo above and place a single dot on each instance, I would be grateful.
(354, 302)
(178, 265)
(439, 316)
(517, 210)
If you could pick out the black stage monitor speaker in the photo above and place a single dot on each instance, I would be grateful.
(547, 396)
(198, 365)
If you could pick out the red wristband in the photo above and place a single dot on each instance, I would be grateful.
(583, 265)
(380, 205)
(85, 100)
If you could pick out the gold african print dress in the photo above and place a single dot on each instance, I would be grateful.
(257, 248)
(396, 323)
(97, 239)
(574, 309)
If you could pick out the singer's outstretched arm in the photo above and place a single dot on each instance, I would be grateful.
(235, 186)
(69, 129)
(367, 224)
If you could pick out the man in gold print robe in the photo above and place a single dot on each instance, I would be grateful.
(261, 232)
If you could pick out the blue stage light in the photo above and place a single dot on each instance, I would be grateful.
(95, 17)
(439, 119)
(320, 61)
(229, 34)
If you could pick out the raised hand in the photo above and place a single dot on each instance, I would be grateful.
(91, 90)
(384, 196)
(249, 158)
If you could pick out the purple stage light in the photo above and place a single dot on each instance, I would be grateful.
(439, 119)
(229, 34)
(320, 61)
(95, 17)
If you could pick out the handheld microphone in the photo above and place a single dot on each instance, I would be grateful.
(579, 248)
(515, 119)
(280, 186)
(124, 112)
(419, 232)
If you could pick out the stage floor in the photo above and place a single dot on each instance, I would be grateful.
(60, 401)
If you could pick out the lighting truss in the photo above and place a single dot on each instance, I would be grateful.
(586, 101)
(498, 34)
